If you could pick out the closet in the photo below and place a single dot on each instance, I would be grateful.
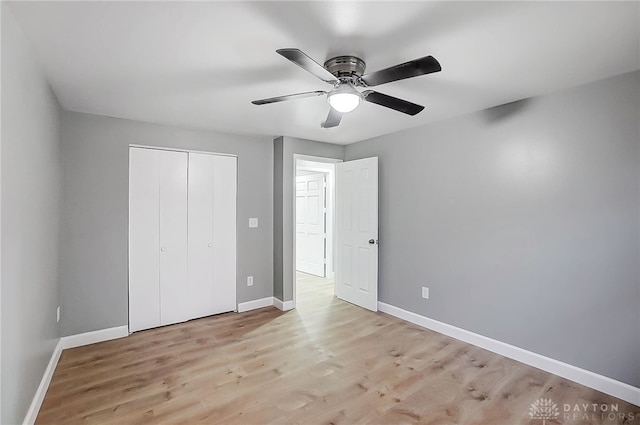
(182, 236)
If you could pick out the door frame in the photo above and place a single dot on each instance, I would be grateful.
(330, 198)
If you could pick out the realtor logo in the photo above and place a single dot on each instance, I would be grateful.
(544, 409)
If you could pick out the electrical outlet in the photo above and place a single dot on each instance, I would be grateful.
(58, 314)
(253, 222)
(249, 280)
(425, 292)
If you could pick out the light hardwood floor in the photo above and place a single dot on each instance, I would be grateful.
(327, 362)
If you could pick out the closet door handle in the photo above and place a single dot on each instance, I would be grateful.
(209, 245)
(162, 249)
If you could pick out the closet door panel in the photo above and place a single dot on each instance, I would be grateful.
(144, 262)
(174, 291)
(201, 234)
(224, 232)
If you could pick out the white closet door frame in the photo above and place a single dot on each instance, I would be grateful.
(149, 298)
(158, 148)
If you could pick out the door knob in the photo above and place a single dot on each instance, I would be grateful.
(162, 249)
(372, 241)
(209, 245)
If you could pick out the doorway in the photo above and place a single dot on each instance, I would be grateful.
(314, 223)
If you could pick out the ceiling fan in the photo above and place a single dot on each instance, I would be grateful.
(344, 73)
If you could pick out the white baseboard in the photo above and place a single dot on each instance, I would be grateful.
(587, 378)
(265, 302)
(282, 305)
(65, 342)
(252, 305)
(38, 398)
(93, 337)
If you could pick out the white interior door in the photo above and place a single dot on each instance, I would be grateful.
(311, 224)
(144, 239)
(356, 271)
(174, 292)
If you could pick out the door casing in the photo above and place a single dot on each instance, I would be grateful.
(296, 158)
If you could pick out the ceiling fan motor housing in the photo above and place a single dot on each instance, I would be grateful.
(345, 66)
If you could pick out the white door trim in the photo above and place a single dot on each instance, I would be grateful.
(159, 148)
(296, 158)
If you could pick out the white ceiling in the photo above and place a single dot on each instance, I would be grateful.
(199, 64)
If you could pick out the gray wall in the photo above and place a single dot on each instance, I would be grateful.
(284, 171)
(94, 236)
(524, 222)
(30, 221)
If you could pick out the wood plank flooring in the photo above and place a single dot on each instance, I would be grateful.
(327, 362)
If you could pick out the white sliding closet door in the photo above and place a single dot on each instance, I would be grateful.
(144, 239)
(212, 234)
(201, 233)
(182, 236)
(224, 233)
(157, 238)
(174, 293)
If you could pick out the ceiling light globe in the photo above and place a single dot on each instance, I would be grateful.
(344, 98)
(344, 102)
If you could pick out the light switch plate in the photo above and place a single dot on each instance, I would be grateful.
(249, 280)
(253, 222)
(425, 292)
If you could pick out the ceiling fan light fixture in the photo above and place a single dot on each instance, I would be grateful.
(346, 74)
(344, 98)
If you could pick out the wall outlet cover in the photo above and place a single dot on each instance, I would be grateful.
(253, 222)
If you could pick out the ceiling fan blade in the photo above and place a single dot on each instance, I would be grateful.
(414, 68)
(305, 62)
(289, 97)
(333, 119)
(392, 102)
